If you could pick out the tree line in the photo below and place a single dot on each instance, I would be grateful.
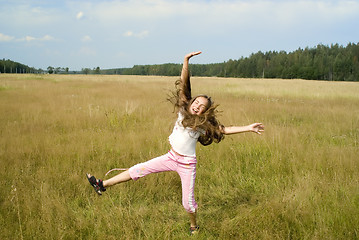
(323, 62)
(331, 63)
(8, 66)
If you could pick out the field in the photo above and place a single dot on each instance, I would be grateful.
(298, 180)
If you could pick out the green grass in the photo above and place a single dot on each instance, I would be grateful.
(299, 180)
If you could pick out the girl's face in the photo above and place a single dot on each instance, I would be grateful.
(199, 106)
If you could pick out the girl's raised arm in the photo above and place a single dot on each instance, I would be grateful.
(185, 86)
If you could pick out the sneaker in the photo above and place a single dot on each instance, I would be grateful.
(194, 230)
(97, 184)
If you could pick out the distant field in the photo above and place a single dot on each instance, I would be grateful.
(299, 180)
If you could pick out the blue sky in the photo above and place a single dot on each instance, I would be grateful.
(123, 33)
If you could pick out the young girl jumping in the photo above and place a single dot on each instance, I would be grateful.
(196, 122)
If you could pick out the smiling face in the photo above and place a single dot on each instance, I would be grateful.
(199, 106)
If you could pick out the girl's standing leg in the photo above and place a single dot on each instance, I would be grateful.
(193, 219)
(187, 173)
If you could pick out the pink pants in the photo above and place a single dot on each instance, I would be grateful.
(184, 166)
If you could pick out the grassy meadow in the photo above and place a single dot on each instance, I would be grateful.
(298, 180)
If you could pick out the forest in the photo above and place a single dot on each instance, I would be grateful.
(332, 63)
(323, 62)
(8, 66)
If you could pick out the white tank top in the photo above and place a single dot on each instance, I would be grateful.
(183, 140)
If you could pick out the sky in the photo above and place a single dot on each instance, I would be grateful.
(121, 33)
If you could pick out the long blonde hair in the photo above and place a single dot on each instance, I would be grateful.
(207, 121)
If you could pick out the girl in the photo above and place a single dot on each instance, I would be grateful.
(196, 122)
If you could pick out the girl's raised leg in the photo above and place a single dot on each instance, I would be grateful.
(100, 186)
(119, 178)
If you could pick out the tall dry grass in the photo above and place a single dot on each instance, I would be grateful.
(299, 180)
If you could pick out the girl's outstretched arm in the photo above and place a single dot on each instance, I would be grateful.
(254, 127)
(185, 87)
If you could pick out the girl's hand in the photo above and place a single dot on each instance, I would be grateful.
(256, 127)
(189, 55)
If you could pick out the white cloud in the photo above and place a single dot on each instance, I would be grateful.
(31, 38)
(86, 39)
(128, 34)
(79, 15)
(47, 38)
(5, 38)
(142, 34)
